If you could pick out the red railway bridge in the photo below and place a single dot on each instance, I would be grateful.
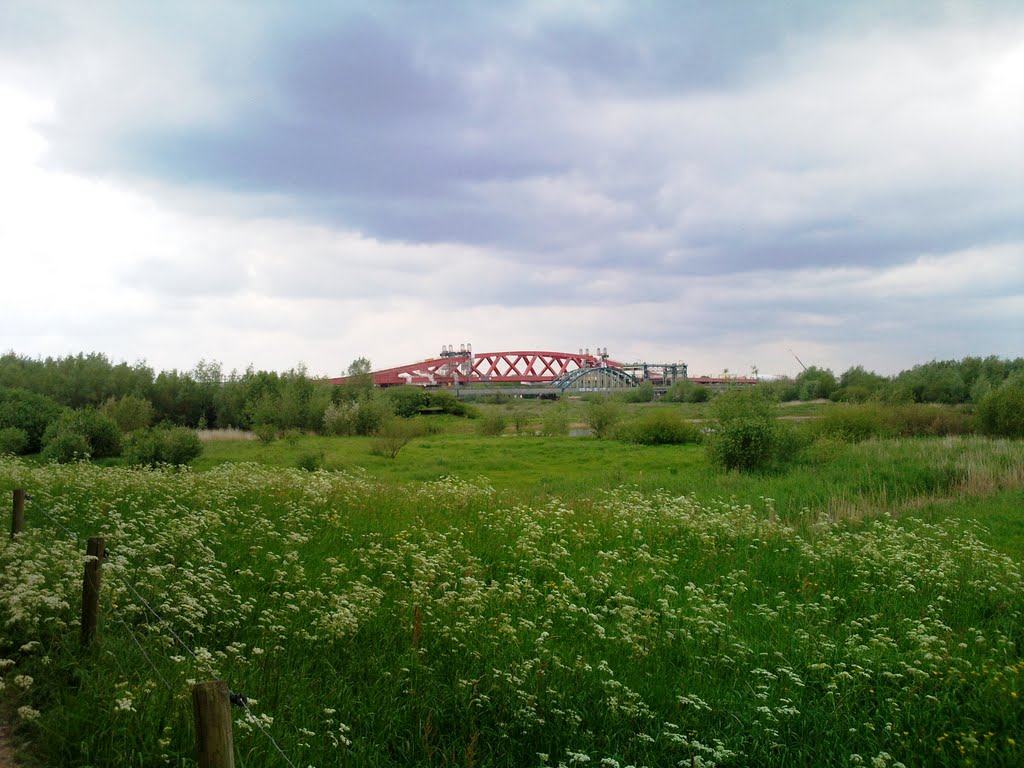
(560, 371)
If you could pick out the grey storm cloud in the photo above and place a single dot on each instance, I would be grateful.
(645, 154)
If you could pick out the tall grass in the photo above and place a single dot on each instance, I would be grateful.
(449, 623)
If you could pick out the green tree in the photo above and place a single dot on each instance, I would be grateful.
(30, 412)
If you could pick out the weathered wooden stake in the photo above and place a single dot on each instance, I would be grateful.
(211, 705)
(18, 516)
(91, 590)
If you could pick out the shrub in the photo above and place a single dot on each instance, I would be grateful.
(446, 402)
(162, 445)
(393, 435)
(520, 419)
(555, 422)
(746, 436)
(660, 427)
(30, 412)
(492, 424)
(66, 447)
(369, 415)
(602, 415)
(100, 432)
(407, 401)
(1001, 412)
(180, 445)
(13, 440)
(266, 433)
(310, 461)
(644, 393)
(337, 419)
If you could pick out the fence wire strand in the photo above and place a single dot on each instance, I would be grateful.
(51, 518)
(138, 645)
(254, 719)
(251, 718)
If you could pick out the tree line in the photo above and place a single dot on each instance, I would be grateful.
(89, 396)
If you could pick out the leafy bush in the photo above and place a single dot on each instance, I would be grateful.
(30, 412)
(265, 432)
(602, 415)
(407, 401)
(394, 434)
(310, 461)
(660, 427)
(66, 447)
(555, 422)
(492, 424)
(1001, 412)
(162, 445)
(13, 440)
(129, 412)
(100, 432)
(641, 394)
(520, 419)
(446, 402)
(746, 436)
(180, 446)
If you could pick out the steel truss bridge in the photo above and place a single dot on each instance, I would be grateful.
(555, 372)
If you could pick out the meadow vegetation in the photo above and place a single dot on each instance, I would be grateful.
(408, 580)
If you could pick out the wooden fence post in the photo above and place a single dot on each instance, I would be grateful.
(211, 705)
(91, 590)
(18, 515)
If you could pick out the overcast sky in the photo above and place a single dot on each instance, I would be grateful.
(722, 183)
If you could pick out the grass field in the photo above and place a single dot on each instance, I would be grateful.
(526, 601)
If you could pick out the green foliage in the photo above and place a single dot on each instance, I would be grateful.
(555, 421)
(520, 419)
(30, 412)
(815, 383)
(359, 381)
(746, 436)
(129, 412)
(1001, 411)
(644, 393)
(924, 420)
(357, 417)
(407, 401)
(13, 440)
(492, 423)
(853, 423)
(266, 433)
(392, 435)
(153, 446)
(660, 427)
(102, 437)
(66, 447)
(310, 461)
(601, 415)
